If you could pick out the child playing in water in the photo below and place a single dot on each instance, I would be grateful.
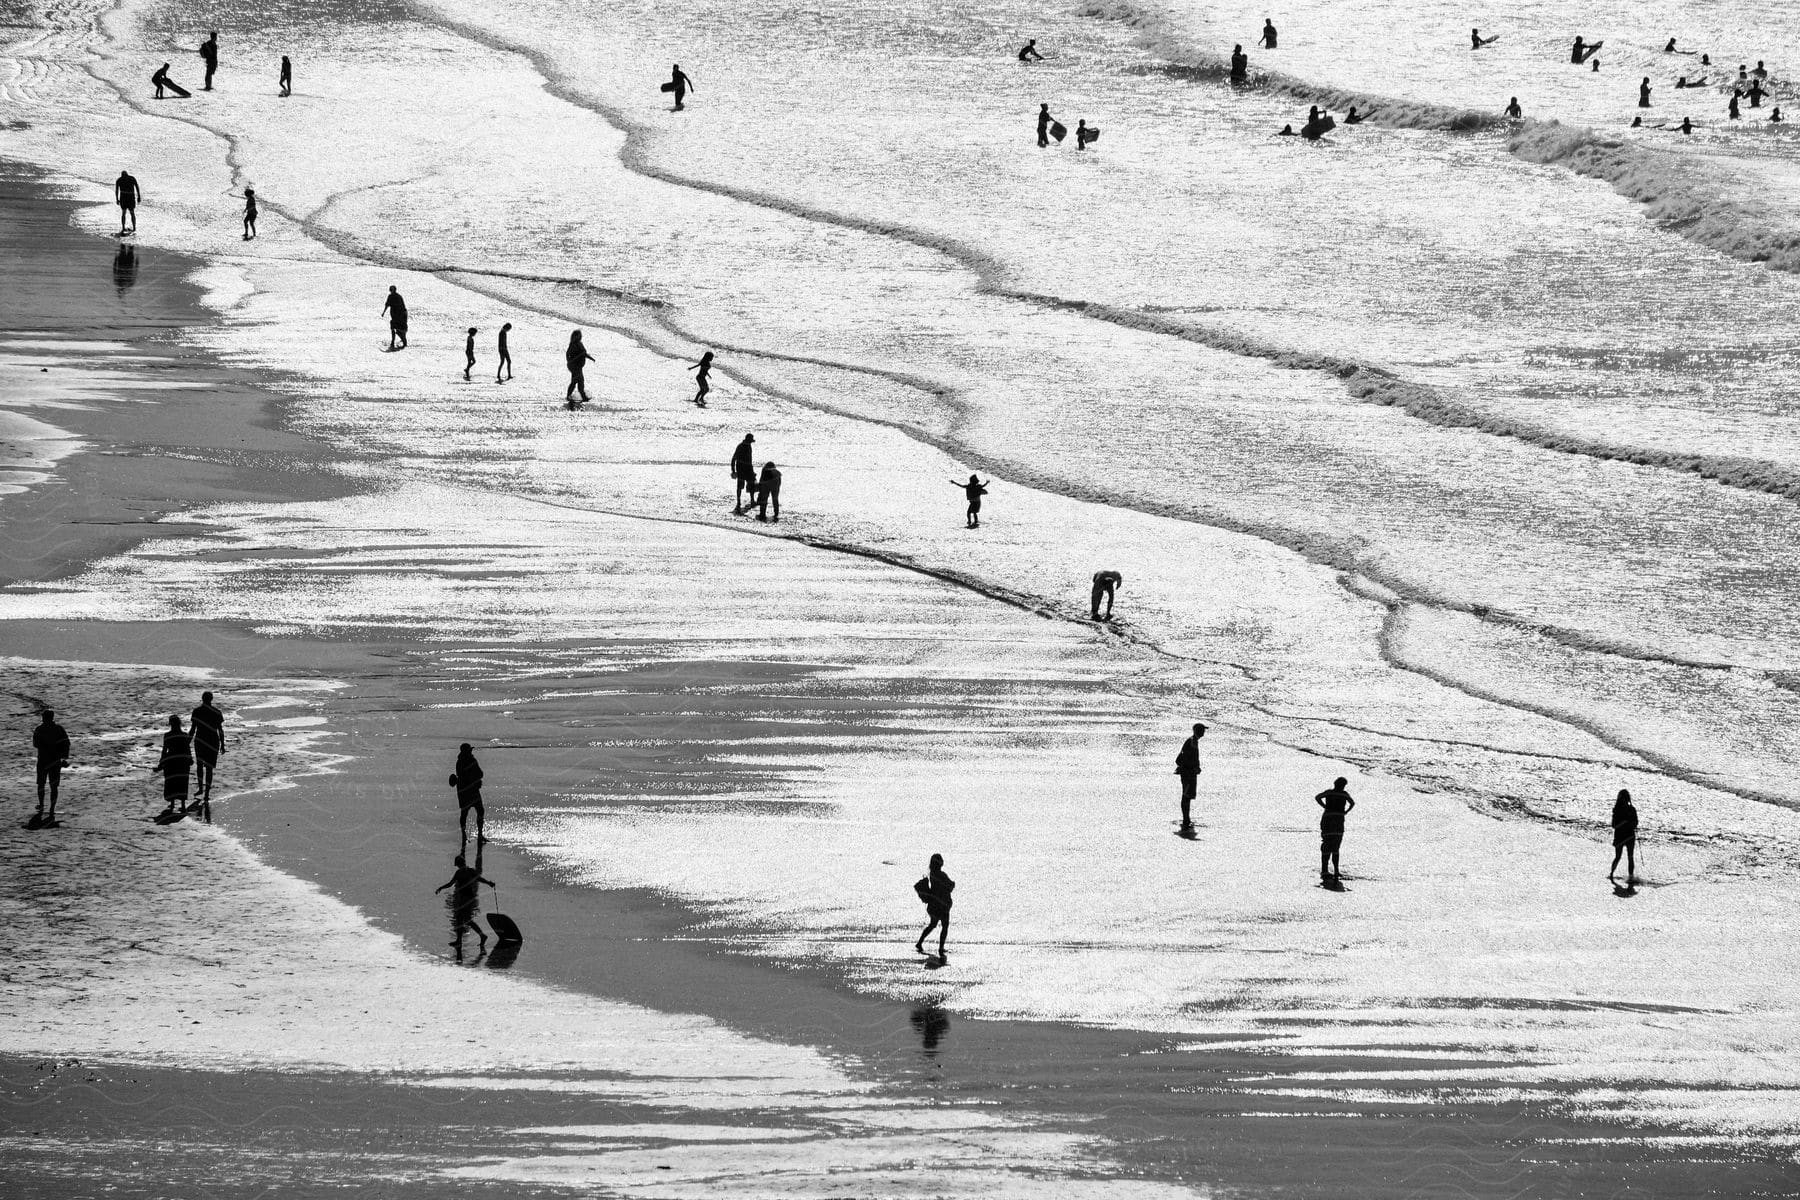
(974, 490)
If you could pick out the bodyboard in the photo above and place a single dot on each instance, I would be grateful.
(503, 928)
(669, 86)
(1058, 130)
(1318, 129)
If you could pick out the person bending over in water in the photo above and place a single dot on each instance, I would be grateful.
(702, 370)
(505, 362)
(1240, 64)
(934, 889)
(1514, 111)
(1476, 41)
(126, 195)
(1644, 93)
(1624, 827)
(1029, 52)
(469, 354)
(286, 82)
(974, 490)
(577, 358)
(249, 213)
(1353, 117)
(161, 80)
(768, 489)
(1268, 35)
(1106, 586)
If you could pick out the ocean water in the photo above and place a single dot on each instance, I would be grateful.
(1453, 450)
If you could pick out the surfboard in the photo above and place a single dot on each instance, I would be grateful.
(1318, 129)
(669, 86)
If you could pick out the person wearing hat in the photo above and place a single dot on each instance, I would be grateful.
(1187, 766)
(743, 471)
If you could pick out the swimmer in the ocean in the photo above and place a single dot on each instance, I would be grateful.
(1029, 52)
(1732, 109)
(1761, 71)
(1687, 125)
(1514, 111)
(1644, 93)
(1353, 117)
(1637, 122)
(1596, 66)
(1476, 41)
(1756, 93)
(1268, 35)
(1240, 64)
(1706, 60)
(1286, 131)
(1775, 114)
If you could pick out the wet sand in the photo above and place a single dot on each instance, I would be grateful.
(1206, 1118)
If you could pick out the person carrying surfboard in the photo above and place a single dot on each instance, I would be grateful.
(1476, 41)
(934, 889)
(1045, 121)
(680, 84)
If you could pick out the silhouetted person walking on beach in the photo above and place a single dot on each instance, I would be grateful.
(1624, 828)
(395, 308)
(464, 901)
(287, 76)
(1268, 35)
(680, 84)
(208, 731)
(161, 80)
(249, 213)
(702, 371)
(176, 761)
(209, 54)
(1337, 803)
(974, 490)
(934, 889)
(743, 472)
(1240, 64)
(1187, 769)
(1106, 584)
(1029, 52)
(577, 358)
(1045, 120)
(51, 742)
(469, 353)
(467, 781)
(768, 490)
(505, 363)
(126, 194)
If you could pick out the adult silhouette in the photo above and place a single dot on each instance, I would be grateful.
(469, 353)
(505, 363)
(466, 779)
(208, 732)
(161, 81)
(680, 84)
(286, 79)
(577, 358)
(1045, 121)
(1268, 38)
(1514, 111)
(395, 309)
(743, 472)
(1029, 52)
(1624, 830)
(126, 194)
(51, 742)
(176, 760)
(1337, 804)
(1240, 64)
(209, 54)
(768, 491)
(1644, 93)
(1187, 769)
(934, 889)
(1106, 584)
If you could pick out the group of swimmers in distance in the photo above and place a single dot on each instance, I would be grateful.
(1751, 85)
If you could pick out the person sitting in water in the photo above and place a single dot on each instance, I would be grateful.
(1353, 117)
(1029, 52)
(1268, 34)
(1240, 64)
(1476, 41)
(1514, 111)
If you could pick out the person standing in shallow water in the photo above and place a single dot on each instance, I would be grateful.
(126, 194)
(1514, 111)
(51, 742)
(577, 358)
(209, 54)
(466, 779)
(1268, 34)
(934, 889)
(1187, 769)
(1337, 804)
(469, 353)
(176, 761)
(1624, 830)
(743, 472)
(1644, 93)
(395, 309)
(208, 732)
(505, 363)
(974, 490)
(1045, 120)
(681, 85)
(286, 81)
(702, 370)
(249, 213)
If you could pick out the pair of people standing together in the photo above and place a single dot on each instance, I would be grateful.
(191, 751)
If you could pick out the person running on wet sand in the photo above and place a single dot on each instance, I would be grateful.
(176, 761)
(1268, 35)
(464, 901)
(209, 54)
(768, 489)
(161, 80)
(208, 735)
(743, 472)
(974, 490)
(126, 195)
(1106, 584)
(1337, 803)
(1187, 768)
(505, 363)
(680, 84)
(469, 353)
(702, 370)
(1624, 829)
(395, 308)
(577, 358)
(934, 889)
(1029, 52)
(1045, 120)
(51, 742)
(1476, 41)
(286, 81)
(249, 213)
(1644, 93)
(1240, 64)
(1514, 111)
(466, 779)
